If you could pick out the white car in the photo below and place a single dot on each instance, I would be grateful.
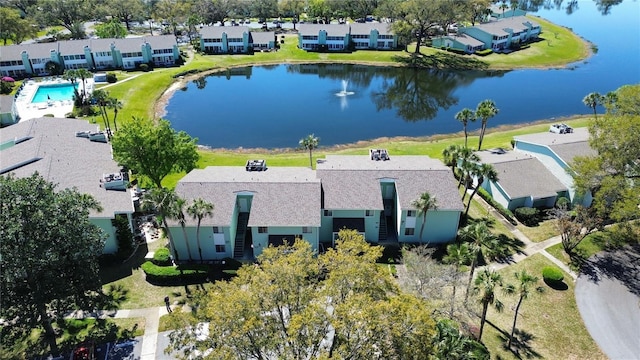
(560, 129)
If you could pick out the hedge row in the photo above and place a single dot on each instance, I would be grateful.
(162, 257)
(174, 274)
(501, 209)
(528, 216)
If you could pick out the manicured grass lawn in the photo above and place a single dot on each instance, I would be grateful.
(550, 321)
(591, 245)
(543, 231)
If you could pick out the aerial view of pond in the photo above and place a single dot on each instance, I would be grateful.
(275, 106)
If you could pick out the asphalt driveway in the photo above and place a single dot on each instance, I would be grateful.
(608, 297)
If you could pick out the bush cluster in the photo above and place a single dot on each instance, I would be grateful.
(501, 209)
(162, 257)
(484, 52)
(552, 275)
(169, 275)
(111, 78)
(528, 216)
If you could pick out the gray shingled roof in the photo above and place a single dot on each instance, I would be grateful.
(353, 182)
(35, 51)
(365, 28)
(215, 32)
(566, 146)
(331, 29)
(73, 47)
(497, 27)
(282, 196)
(522, 175)
(263, 37)
(66, 160)
(6, 102)
(465, 39)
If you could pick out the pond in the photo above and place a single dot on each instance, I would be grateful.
(275, 106)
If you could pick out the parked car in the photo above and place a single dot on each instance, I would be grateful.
(560, 129)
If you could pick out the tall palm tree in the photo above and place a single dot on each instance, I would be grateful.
(503, 7)
(482, 172)
(479, 236)
(485, 287)
(162, 201)
(457, 255)
(486, 109)
(309, 143)
(178, 214)
(198, 210)
(116, 105)
(464, 116)
(423, 204)
(84, 74)
(523, 289)
(466, 162)
(101, 98)
(450, 157)
(592, 100)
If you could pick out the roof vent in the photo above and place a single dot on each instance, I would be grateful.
(256, 165)
(379, 154)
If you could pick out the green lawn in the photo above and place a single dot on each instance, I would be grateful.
(550, 320)
(544, 230)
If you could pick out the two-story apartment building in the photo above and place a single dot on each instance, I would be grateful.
(341, 37)
(234, 40)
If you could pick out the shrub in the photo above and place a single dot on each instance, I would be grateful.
(563, 203)
(111, 78)
(484, 52)
(552, 275)
(162, 257)
(169, 275)
(501, 209)
(528, 216)
(144, 67)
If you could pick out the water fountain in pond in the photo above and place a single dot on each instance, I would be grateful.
(344, 91)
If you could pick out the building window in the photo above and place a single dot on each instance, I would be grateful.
(409, 231)
(306, 230)
(263, 229)
(368, 213)
(411, 213)
(220, 249)
(328, 213)
(217, 230)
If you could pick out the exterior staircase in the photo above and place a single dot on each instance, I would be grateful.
(382, 232)
(241, 229)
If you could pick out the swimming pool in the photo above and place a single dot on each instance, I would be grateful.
(53, 92)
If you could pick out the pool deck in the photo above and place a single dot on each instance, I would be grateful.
(28, 110)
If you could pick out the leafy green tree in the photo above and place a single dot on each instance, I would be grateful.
(415, 18)
(424, 204)
(198, 210)
(450, 344)
(214, 10)
(264, 9)
(485, 110)
(294, 8)
(485, 287)
(163, 202)
(70, 14)
(482, 172)
(111, 30)
(25, 6)
(525, 287)
(294, 304)
(309, 143)
(14, 27)
(125, 11)
(154, 150)
(457, 255)
(592, 101)
(464, 116)
(49, 256)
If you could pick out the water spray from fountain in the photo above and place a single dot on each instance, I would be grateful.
(344, 91)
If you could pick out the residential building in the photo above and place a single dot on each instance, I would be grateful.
(342, 37)
(57, 149)
(504, 33)
(557, 152)
(8, 113)
(256, 206)
(234, 40)
(523, 181)
(27, 60)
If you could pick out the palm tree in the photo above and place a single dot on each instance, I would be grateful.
(458, 255)
(178, 214)
(309, 143)
(478, 235)
(423, 204)
(101, 98)
(162, 201)
(592, 100)
(503, 7)
(450, 344)
(116, 105)
(485, 286)
(486, 109)
(464, 116)
(450, 157)
(482, 172)
(198, 210)
(523, 289)
(84, 74)
(466, 162)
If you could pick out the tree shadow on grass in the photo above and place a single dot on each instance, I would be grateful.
(520, 346)
(442, 60)
(114, 269)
